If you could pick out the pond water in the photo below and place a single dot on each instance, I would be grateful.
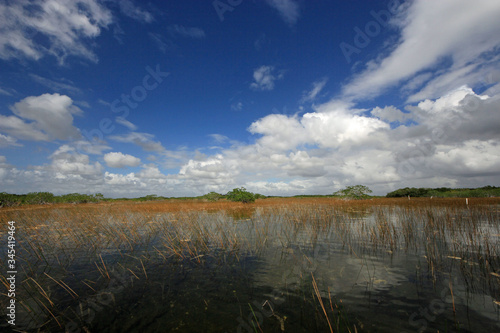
(272, 272)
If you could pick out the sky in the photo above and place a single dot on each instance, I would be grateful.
(283, 97)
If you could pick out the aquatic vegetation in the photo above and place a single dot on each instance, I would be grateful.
(294, 264)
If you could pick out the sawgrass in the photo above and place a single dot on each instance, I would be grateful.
(54, 242)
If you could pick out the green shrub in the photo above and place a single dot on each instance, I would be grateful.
(212, 196)
(412, 192)
(241, 195)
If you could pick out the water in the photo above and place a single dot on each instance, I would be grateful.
(260, 273)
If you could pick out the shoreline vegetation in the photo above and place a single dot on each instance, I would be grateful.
(242, 195)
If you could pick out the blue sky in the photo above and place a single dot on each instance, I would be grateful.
(284, 97)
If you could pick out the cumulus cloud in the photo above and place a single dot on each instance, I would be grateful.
(452, 140)
(120, 160)
(280, 132)
(66, 27)
(264, 78)
(50, 117)
(151, 172)
(288, 9)
(389, 114)
(69, 164)
(459, 31)
(303, 165)
(95, 147)
(338, 145)
(21, 130)
(4, 167)
(212, 168)
(116, 180)
(336, 124)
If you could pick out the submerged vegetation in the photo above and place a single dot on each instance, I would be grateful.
(275, 265)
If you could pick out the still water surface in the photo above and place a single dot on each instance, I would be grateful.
(277, 264)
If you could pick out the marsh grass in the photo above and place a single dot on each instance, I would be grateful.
(68, 253)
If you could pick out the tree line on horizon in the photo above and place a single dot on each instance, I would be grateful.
(446, 192)
(356, 192)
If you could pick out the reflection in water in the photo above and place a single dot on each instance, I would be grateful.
(293, 269)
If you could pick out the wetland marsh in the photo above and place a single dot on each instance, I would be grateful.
(277, 265)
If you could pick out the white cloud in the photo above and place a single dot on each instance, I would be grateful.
(118, 180)
(17, 128)
(459, 31)
(6, 141)
(451, 79)
(473, 157)
(68, 164)
(191, 32)
(336, 124)
(5, 92)
(288, 9)
(452, 141)
(120, 160)
(416, 82)
(462, 114)
(212, 169)
(338, 145)
(219, 138)
(317, 88)
(143, 140)
(151, 172)
(67, 27)
(280, 132)
(389, 114)
(4, 167)
(264, 78)
(303, 165)
(126, 123)
(128, 8)
(90, 147)
(51, 116)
